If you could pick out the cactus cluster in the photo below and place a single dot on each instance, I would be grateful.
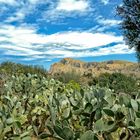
(33, 107)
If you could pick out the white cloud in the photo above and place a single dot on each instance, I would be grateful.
(87, 40)
(84, 39)
(9, 2)
(105, 1)
(22, 9)
(15, 2)
(109, 22)
(20, 50)
(117, 49)
(72, 5)
(17, 17)
(24, 41)
(33, 1)
(57, 12)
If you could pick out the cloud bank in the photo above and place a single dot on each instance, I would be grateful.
(41, 30)
(25, 41)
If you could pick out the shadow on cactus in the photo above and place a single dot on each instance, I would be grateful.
(32, 106)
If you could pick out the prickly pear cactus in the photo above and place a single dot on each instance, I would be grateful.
(35, 107)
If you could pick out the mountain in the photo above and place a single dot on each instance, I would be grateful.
(95, 68)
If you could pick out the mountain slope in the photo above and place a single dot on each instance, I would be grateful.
(95, 68)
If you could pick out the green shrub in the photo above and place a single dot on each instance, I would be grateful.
(10, 68)
(65, 77)
(118, 82)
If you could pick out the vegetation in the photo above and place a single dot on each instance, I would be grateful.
(66, 77)
(129, 11)
(117, 82)
(33, 107)
(10, 68)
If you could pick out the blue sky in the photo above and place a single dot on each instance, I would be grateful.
(42, 32)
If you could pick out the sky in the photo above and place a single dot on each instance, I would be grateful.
(41, 32)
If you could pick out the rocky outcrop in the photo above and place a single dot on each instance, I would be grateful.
(95, 68)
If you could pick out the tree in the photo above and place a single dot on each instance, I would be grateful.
(129, 11)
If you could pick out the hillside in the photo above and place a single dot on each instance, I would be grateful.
(95, 68)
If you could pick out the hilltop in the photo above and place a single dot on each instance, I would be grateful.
(95, 68)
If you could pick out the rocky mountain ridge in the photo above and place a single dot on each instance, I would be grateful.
(95, 68)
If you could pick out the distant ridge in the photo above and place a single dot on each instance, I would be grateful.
(96, 68)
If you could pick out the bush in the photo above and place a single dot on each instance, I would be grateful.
(118, 82)
(65, 77)
(10, 68)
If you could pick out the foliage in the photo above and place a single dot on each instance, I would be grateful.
(117, 82)
(129, 11)
(10, 68)
(66, 77)
(32, 106)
